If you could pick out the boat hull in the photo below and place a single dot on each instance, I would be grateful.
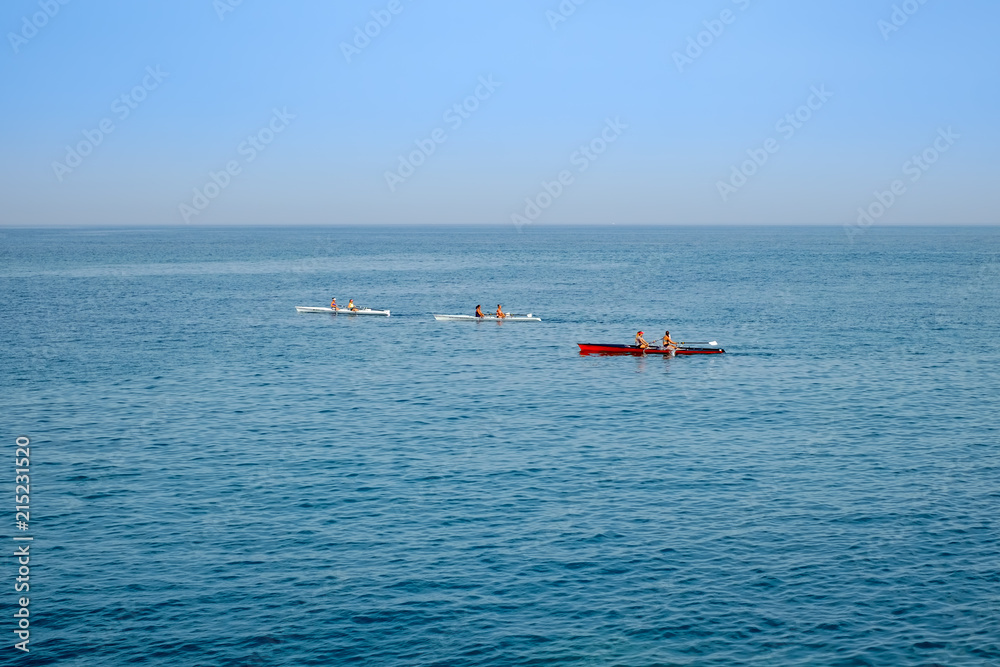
(341, 311)
(488, 318)
(592, 348)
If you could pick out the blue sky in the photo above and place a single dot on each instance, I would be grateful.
(643, 124)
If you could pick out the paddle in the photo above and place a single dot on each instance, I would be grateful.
(699, 342)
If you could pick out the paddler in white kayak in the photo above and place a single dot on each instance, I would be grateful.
(350, 305)
(668, 342)
(640, 341)
(333, 303)
(479, 311)
(500, 314)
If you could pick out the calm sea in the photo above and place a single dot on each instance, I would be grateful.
(218, 480)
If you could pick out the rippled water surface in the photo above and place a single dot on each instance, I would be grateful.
(218, 480)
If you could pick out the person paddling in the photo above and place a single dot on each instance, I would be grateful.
(640, 341)
(479, 311)
(500, 313)
(668, 342)
(350, 305)
(333, 303)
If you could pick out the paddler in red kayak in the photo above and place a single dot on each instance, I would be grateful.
(500, 314)
(668, 342)
(479, 311)
(640, 341)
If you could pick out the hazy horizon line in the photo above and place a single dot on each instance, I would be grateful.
(377, 225)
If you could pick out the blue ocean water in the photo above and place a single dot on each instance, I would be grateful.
(219, 480)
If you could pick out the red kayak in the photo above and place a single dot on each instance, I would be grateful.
(591, 348)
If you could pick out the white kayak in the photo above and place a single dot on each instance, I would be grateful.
(489, 318)
(341, 311)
